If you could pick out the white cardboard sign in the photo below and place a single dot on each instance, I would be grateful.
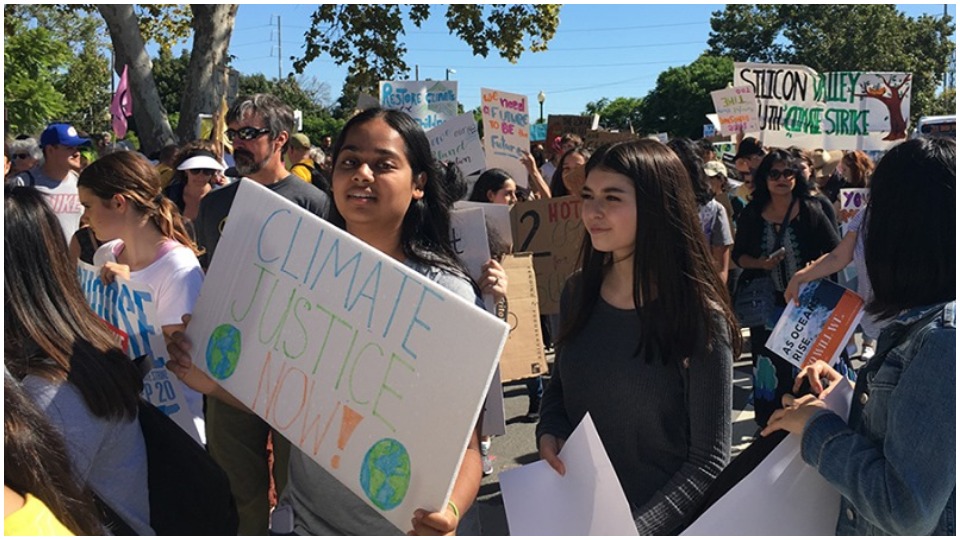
(373, 370)
(458, 141)
(736, 110)
(430, 103)
(586, 501)
(130, 310)
(506, 132)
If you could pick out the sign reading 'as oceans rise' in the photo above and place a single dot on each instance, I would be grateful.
(374, 371)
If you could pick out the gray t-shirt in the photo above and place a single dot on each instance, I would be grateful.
(108, 455)
(215, 207)
(61, 195)
(716, 226)
(666, 428)
(321, 504)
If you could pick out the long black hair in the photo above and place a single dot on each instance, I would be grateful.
(490, 180)
(50, 330)
(689, 155)
(910, 227)
(676, 289)
(425, 231)
(557, 187)
(761, 192)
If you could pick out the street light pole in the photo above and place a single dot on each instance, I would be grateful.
(541, 97)
(449, 71)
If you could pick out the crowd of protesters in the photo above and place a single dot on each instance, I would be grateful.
(645, 340)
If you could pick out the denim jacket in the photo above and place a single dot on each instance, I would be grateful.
(894, 461)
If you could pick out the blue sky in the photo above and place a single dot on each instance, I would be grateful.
(598, 51)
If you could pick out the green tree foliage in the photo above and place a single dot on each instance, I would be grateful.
(54, 68)
(845, 37)
(945, 103)
(680, 101)
(622, 114)
(169, 72)
(369, 37)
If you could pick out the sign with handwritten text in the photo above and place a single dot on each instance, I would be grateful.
(458, 141)
(506, 132)
(551, 229)
(559, 125)
(130, 310)
(736, 109)
(430, 103)
(839, 110)
(371, 369)
(852, 202)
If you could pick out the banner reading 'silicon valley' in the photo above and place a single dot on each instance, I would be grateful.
(430, 103)
(129, 309)
(506, 132)
(371, 369)
(840, 110)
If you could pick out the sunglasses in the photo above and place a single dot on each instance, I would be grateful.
(205, 172)
(775, 174)
(246, 133)
(21, 156)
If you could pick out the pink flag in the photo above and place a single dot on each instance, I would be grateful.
(121, 107)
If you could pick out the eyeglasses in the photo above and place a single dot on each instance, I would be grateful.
(21, 156)
(247, 133)
(775, 174)
(205, 172)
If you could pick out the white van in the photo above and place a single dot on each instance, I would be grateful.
(936, 126)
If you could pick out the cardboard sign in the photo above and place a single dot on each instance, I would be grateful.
(840, 110)
(586, 501)
(523, 356)
(497, 217)
(596, 139)
(458, 141)
(736, 110)
(130, 310)
(852, 202)
(351, 355)
(506, 132)
(550, 229)
(559, 125)
(430, 103)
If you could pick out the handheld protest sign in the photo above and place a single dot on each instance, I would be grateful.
(550, 229)
(852, 202)
(561, 124)
(458, 141)
(736, 110)
(368, 367)
(840, 110)
(430, 103)
(523, 356)
(506, 132)
(130, 310)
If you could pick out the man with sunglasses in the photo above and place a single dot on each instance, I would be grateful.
(56, 176)
(260, 127)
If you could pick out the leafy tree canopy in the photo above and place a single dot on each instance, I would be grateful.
(621, 114)
(845, 37)
(680, 101)
(369, 37)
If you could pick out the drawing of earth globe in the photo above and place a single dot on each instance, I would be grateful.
(385, 474)
(223, 351)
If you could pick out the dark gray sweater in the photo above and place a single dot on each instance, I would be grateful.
(665, 428)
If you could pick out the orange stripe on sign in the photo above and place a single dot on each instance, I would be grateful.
(831, 336)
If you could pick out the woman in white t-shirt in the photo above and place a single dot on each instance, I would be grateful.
(147, 242)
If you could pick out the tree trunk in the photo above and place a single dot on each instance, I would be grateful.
(212, 27)
(129, 49)
(898, 125)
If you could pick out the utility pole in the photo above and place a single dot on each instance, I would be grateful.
(279, 53)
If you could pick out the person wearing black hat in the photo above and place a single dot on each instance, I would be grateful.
(56, 176)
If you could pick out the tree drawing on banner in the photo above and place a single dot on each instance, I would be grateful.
(891, 94)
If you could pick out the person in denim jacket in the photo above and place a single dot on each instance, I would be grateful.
(894, 460)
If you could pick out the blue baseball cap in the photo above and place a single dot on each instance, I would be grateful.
(64, 134)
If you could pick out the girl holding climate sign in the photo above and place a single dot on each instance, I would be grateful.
(149, 245)
(647, 338)
(390, 192)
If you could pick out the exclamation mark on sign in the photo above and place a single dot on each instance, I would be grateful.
(350, 420)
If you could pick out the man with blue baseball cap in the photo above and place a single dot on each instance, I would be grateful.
(56, 176)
